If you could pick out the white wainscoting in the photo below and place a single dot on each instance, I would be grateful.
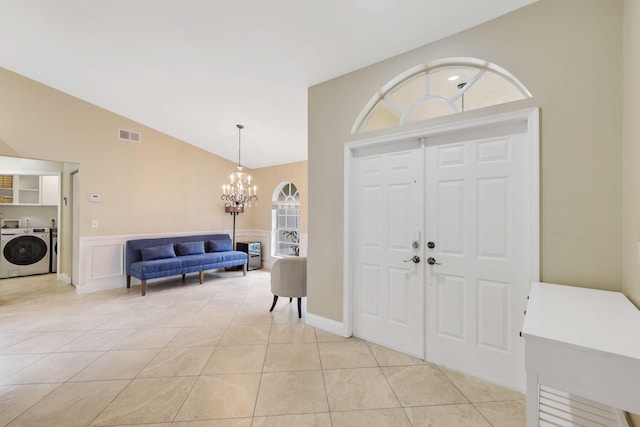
(102, 258)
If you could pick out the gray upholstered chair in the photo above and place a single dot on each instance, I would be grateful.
(289, 279)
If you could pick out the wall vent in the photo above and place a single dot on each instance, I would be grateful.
(558, 408)
(130, 135)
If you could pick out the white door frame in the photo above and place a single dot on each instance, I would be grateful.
(532, 118)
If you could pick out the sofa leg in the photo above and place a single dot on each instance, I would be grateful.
(275, 300)
(128, 280)
(299, 308)
(290, 299)
(184, 277)
(143, 287)
(201, 277)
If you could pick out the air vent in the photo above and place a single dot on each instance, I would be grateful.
(130, 135)
(558, 408)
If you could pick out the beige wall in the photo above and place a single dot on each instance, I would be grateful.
(631, 152)
(631, 156)
(569, 55)
(269, 179)
(158, 186)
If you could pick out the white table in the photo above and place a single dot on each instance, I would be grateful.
(581, 341)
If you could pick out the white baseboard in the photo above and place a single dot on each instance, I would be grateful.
(89, 289)
(325, 324)
(64, 278)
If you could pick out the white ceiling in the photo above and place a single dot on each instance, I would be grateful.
(195, 68)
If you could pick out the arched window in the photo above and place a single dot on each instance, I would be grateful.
(442, 87)
(286, 220)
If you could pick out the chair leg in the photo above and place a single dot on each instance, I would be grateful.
(299, 308)
(275, 300)
(143, 287)
(290, 299)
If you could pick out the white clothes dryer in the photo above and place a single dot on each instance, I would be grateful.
(24, 251)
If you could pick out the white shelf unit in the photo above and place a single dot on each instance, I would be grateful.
(6, 189)
(28, 189)
(31, 190)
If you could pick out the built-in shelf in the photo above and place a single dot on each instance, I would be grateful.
(34, 190)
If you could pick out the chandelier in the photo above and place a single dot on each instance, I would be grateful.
(239, 191)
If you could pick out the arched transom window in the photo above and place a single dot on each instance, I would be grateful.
(286, 220)
(442, 87)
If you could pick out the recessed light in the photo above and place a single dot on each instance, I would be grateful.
(453, 78)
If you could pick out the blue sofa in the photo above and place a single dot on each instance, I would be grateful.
(169, 256)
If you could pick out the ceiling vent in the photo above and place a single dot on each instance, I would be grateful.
(130, 135)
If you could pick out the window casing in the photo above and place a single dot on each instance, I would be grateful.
(442, 87)
(286, 221)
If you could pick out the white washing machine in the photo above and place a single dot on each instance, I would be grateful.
(24, 251)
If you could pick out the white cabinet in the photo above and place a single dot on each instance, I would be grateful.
(29, 190)
(582, 353)
(49, 190)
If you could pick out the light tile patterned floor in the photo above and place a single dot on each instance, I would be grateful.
(212, 355)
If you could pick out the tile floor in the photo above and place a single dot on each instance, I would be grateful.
(212, 355)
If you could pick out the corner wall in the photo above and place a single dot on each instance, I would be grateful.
(569, 55)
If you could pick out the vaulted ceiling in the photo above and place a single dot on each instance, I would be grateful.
(195, 68)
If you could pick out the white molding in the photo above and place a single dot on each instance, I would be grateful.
(64, 278)
(347, 286)
(103, 286)
(327, 325)
(533, 129)
(430, 131)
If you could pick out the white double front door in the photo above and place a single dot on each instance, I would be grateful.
(460, 202)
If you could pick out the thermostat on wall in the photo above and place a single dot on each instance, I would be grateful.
(95, 198)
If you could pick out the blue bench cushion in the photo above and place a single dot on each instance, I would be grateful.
(156, 267)
(157, 252)
(190, 248)
(186, 264)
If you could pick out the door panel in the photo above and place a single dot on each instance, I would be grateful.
(472, 191)
(451, 294)
(388, 292)
(477, 213)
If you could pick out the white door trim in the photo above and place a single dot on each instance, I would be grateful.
(530, 115)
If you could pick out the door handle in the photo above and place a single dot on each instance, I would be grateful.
(432, 261)
(415, 259)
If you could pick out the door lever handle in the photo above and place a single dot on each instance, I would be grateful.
(415, 259)
(432, 261)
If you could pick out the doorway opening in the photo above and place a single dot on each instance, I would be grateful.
(442, 242)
